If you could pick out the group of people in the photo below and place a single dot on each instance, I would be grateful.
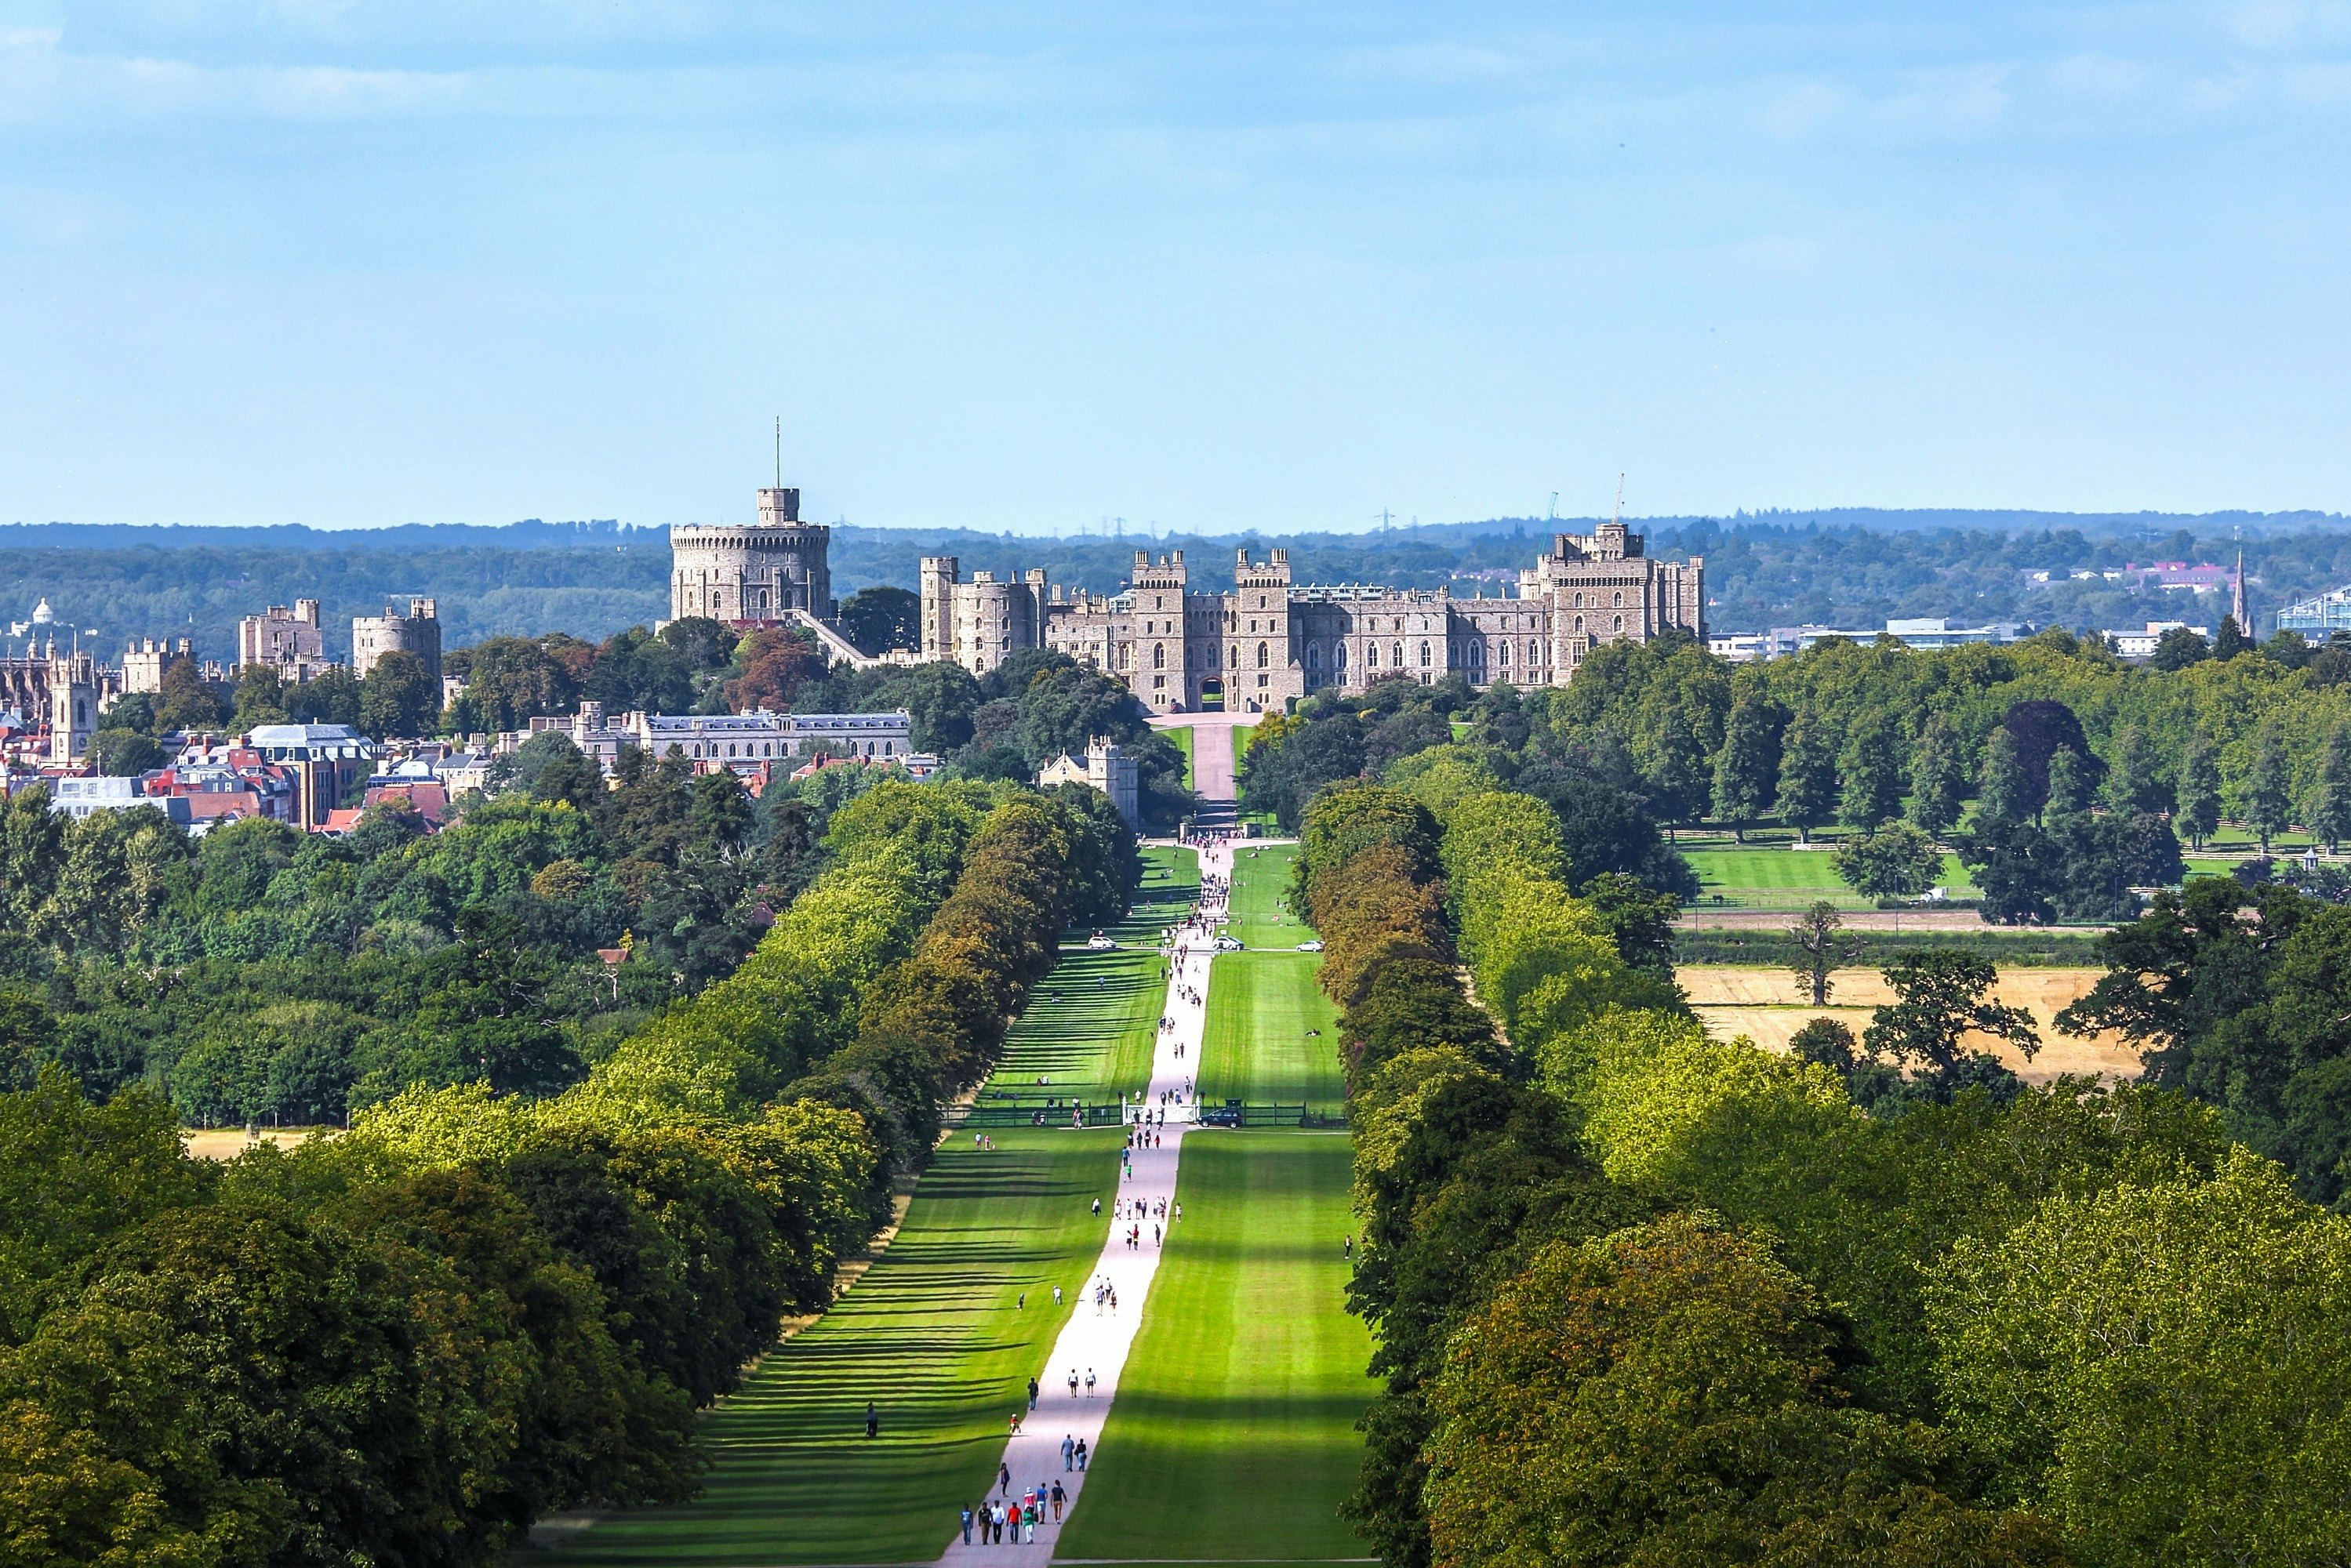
(1005, 1521)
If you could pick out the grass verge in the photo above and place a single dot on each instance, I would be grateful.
(1234, 1431)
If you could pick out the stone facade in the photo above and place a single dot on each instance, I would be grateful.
(1107, 768)
(417, 631)
(753, 575)
(1271, 640)
(288, 640)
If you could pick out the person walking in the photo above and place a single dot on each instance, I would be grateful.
(1089, 1394)
(1057, 1502)
(1057, 1295)
(1081, 1453)
(1069, 1443)
(967, 1527)
(1003, 1480)
(1032, 1394)
(873, 1421)
(1074, 1382)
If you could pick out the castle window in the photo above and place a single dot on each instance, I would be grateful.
(1371, 655)
(1395, 660)
(1313, 656)
(1503, 651)
(1159, 656)
(1620, 620)
(1620, 604)
(1578, 599)
(1339, 654)
(1260, 601)
(1532, 657)
(1260, 656)
(1423, 655)
(1579, 623)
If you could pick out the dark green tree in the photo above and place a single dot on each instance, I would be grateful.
(1747, 769)
(2006, 786)
(878, 618)
(2135, 782)
(2266, 799)
(1825, 949)
(1943, 994)
(125, 753)
(2200, 789)
(399, 697)
(1808, 774)
(2071, 787)
(1939, 776)
(2230, 639)
(2178, 648)
(1873, 773)
(1900, 862)
(2330, 799)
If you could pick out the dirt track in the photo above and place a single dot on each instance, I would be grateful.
(1762, 1005)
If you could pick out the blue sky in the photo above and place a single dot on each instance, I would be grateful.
(1206, 265)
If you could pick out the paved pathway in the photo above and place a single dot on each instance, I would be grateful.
(1098, 1341)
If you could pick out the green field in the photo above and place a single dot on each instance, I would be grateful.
(1261, 1006)
(932, 1335)
(932, 1332)
(1234, 1432)
(1258, 916)
(1790, 878)
(1242, 734)
(1182, 739)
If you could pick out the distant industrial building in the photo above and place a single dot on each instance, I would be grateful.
(1926, 634)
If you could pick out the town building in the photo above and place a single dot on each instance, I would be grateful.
(60, 696)
(2142, 644)
(291, 642)
(1106, 769)
(144, 662)
(330, 764)
(82, 798)
(1271, 640)
(738, 742)
(414, 629)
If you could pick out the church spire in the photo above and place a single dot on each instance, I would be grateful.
(2237, 598)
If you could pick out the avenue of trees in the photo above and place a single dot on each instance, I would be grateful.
(401, 1345)
(2061, 776)
(1642, 1295)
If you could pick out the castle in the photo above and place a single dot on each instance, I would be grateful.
(753, 575)
(1271, 640)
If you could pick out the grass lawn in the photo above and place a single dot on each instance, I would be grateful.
(1234, 1431)
(1791, 878)
(1182, 739)
(1242, 734)
(1260, 882)
(932, 1332)
(1261, 1006)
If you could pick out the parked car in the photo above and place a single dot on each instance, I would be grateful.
(1310, 947)
(1099, 943)
(1229, 944)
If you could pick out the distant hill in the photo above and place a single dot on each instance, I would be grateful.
(1850, 567)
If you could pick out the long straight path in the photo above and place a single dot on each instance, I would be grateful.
(1095, 1342)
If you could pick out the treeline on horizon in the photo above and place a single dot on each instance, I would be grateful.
(1641, 1295)
(401, 1345)
(1844, 566)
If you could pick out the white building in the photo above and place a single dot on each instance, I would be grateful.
(81, 798)
(739, 742)
(2141, 645)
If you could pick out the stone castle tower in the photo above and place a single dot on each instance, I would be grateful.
(750, 576)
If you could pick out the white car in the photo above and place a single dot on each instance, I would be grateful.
(1310, 947)
(1098, 943)
(1229, 943)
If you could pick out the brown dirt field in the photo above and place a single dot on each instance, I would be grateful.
(227, 1143)
(1762, 1004)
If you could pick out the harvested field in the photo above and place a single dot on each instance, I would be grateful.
(227, 1143)
(1762, 1004)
